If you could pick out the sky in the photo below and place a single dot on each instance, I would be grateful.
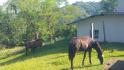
(70, 1)
(2, 1)
(73, 1)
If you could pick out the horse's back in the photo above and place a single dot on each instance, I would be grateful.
(82, 42)
(38, 42)
(33, 43)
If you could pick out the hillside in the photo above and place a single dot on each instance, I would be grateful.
(90, 7)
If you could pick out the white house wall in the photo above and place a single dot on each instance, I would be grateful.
(84, 27)
(98, 25)
(114, 28)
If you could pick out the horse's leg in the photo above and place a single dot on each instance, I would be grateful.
(72, 53)
(90, 50)
(84, 57)
(33, 49)
(72, 58)
(71, 64)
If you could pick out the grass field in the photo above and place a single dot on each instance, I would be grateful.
(55, 57)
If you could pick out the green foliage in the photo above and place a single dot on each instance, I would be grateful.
(25, 20)
(71, 13)
(108, 5)
(88, 8)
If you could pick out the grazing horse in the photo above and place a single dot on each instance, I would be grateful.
(84, 44)
(33, 44)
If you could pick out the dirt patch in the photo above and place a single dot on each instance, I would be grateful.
(114, 64)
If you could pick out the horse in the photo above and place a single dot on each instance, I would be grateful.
(85, 44)
(33, 44)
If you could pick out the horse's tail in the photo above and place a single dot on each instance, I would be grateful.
(71, 51)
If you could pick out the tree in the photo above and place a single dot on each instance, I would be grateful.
(88, 8)
(25, 20)
(39, 15)
(108, 5)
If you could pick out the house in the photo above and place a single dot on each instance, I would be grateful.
(107, 27)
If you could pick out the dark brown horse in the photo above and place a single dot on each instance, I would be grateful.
(33, 44)
(84, 44)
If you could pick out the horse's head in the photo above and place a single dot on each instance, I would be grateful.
(100, 57)
(99, 52)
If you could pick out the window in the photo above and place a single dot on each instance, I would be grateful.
(96, 34)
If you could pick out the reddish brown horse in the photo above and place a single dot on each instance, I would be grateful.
(84, 44)
(33, 44)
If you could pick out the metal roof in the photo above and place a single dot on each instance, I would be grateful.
(102, 14)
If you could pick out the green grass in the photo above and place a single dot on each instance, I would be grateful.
(55, 57)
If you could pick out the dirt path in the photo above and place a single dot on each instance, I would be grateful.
(114, 64)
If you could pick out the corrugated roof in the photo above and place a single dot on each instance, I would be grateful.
(102, 14)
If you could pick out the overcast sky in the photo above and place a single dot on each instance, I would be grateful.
(2, 1)
(73, 1)
(70, 1)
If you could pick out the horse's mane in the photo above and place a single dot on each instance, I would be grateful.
(98, 48)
